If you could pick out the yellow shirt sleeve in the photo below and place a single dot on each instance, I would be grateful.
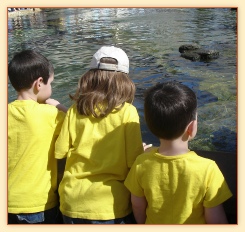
(217, 188)
(132, 182)
(63, 142)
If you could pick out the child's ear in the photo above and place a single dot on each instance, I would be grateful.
(192, 128)
(38, 83)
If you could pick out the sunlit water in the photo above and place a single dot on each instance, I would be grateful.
(151, 37)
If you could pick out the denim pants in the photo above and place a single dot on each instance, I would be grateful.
(50, 216)
(129, 219)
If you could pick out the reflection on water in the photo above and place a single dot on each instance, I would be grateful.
(151, 38)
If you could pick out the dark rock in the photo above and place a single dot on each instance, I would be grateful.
(208, 54)
(195, 53)
(188, 47)
(191, 56)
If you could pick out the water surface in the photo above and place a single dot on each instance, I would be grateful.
(151, 37)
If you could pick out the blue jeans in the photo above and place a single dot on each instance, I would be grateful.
(50, 216)
(129, 219)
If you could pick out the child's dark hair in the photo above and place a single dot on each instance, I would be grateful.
(169, 108)
(26, 67)
(101, 91)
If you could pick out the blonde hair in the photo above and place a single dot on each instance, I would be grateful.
(99, 92)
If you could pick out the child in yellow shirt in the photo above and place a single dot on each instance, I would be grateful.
(33, 127)
(100, 138)
(171, 184)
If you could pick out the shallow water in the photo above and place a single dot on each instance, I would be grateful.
(151, 37)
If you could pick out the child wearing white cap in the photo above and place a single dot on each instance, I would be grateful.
(100, 139)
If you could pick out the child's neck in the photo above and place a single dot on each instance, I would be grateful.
(173, 147)
(26, 95)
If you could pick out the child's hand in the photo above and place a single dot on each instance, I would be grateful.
(55, 103)
(52, 102)
(146, 146)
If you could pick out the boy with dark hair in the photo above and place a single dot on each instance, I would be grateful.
(32, 131)
(171, 184)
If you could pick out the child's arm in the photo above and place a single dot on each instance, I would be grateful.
(139, 205)
(215, 215)
(55, 103)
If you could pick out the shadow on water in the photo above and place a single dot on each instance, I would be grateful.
(221, 137)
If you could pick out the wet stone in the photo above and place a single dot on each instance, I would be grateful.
(195, 53)
(188, 47)
(191, 56)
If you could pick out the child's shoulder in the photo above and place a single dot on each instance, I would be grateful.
(191, 156)
(148, 153)
(125, 107)
(32, 107)
(129, 109)
(198, 156)
(200, 161)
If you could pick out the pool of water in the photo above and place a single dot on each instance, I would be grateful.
(151, 37)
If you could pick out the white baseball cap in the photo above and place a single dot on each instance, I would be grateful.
(110, 52)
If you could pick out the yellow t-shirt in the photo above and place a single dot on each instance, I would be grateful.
(177, 188)
(32, 168)
(99, 155)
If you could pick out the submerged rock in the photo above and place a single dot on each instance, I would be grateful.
(195, 53)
